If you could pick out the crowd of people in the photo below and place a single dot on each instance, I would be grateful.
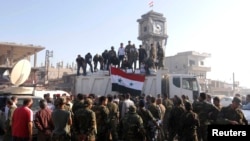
(114, 118)
(125, 58)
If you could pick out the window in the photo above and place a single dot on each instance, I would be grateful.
(191, 62)
(185, 84)
(177, 82)
(202, 63)
(190, 84)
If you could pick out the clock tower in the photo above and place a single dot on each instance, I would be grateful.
(152, 30)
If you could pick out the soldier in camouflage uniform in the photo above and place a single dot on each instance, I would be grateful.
(154, 109)
(133, 129)
(149, 122)
(168, 104)
(102, 119)
(189, 124)
(113, 117)
(85, 122)
(174, 120)
(207, 114)
(156, 112)
(232, 114)
(78, 103)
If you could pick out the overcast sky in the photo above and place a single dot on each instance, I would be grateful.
(71, 27)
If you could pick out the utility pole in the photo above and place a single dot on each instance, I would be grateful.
(48, 54)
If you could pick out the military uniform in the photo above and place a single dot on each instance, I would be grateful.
(113, 118)
(189, 125)
(168, 104)
(102, 120)
(156, 112)
(232, 114)
(148, 122)
(173, 122)
(86, 122)
(132, 126)
(205, 111)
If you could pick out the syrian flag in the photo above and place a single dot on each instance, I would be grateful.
(126, 83)
(151, 3)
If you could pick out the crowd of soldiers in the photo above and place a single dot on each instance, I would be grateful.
(141, 118)
(125, 58)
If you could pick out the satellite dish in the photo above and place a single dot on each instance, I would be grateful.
(6, 75)
(20, 72)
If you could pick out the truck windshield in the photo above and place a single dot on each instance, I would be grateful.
(186, 83)
(190, 84)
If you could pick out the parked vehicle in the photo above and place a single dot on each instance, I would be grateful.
(160, 83)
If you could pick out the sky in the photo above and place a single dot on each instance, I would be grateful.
(71, 27)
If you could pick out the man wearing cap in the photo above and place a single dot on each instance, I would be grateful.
(232, 114)
(86, 129)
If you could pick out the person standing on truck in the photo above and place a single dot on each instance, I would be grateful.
(80, 62)
(153, 54)
(105, 56)
(88, 59)
(112, 58)
(160, 56)
(132, 56)
(95, 60)
(22, 122)
(121, 54)
(142, 55)
(127, 49)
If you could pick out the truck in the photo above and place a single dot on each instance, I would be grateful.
(161, 82)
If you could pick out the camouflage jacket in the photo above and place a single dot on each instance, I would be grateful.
(227, 113)
(85, 122)
(207, 112)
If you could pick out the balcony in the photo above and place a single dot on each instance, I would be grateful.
(197, 68)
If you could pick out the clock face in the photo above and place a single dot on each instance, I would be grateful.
(158, 27)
